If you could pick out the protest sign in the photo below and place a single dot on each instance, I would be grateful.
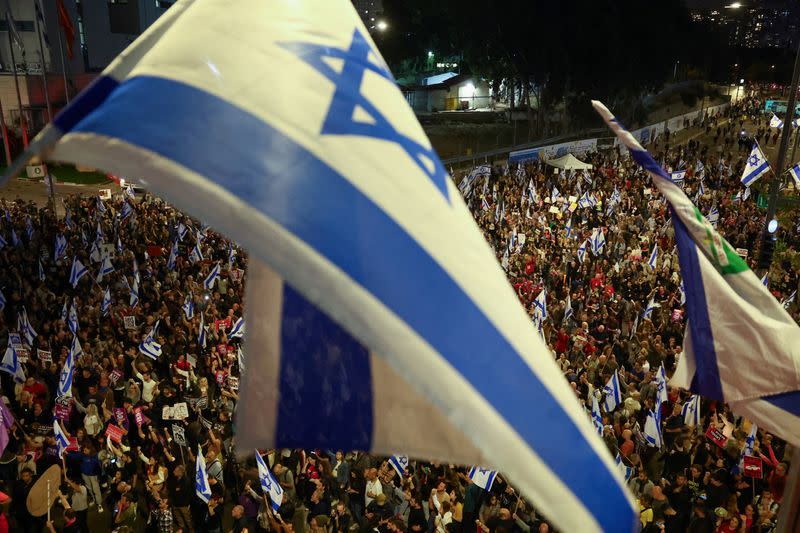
(139, 416)
(44, 356)
(115, 433)
(130, 321)
(178, 434)
(753, 466)
(716, 436)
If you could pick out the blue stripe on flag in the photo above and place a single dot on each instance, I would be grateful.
(325, 378)
(788, 401)
(706, 379)
(479, 352)
(755, 173)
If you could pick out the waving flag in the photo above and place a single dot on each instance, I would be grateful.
(756, 166)
(188, 306)
(201, 486)
(482, 477)
(182, 230)
(625, 470)
(29, 228)
(713, 216)
(65, 379)
(613, 393)
(399, 463)
(540, 303)
(25, 328)
(740, 346)
(661, 386)
(201, 334)
(72, 319)
(237, 331)
(208, 283)
(134, 300)
(126, 211)
(582, 251)
(269, 485)
(648, 311)
(750, 442)
(75, 348)
(11, 364)
(149, 346)
(105, 268)
(440, 318)
(77, 272)
(568, 227)
(106, 305)
(691, 411)
(597, 418)
(2, 301)
(794, 172)
(775, 122)
(41, 271)
(653, 261)
(61, 438)
(568, 308)
(173, 255)
(598, 241)
(765, 279)
(555, 195)
(196, 255)
(652, 429)
(678, 176)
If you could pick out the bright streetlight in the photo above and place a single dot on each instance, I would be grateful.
(381, 25)
(735, 5)
(430, 54)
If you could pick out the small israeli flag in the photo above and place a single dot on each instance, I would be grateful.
(25, 327)
(41, 271)
(540, 304)
(106, 305)
(149, 346)
(65, 311)
(775, 122)
(568, 227)
(173, 256)
(568, 309)
(130, 192)
(3, 242)
(182, 230)
(62, 442)
(2, 301)
(126, 211)
(237, 331)
(65, 379)
(68, 219)
(691, 411)
(653, 261)
(648, 311)
(202, 488)
(678, 176)
(765, 279)
(231, 255)
(597, 418)
(29, 228)
(269, 485)
(119, 244)
(134, 301)
(484, 204)
(613, 393)
(188, 306)
(76, 272)
(14, 239)
(75, 348)
(482, 477)
(61, 247)
(105, 269)
(625, 470)
(72, 319)
(598, 241)
(788, 301)
(582, 251)
(399, 463)
(713, 216)
(555, 195)
(136, 277)
(196, 255)
(756, 166)
(11, 364)
(101, 207)
(201, 336)
(652, 430)
(750, 441)
(683, 293)
(794, 172)
(208, 283)
(661, 386)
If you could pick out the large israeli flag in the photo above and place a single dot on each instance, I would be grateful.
(741, 346)
(756, 166)
(65, 379)
(380, 274)
(613, 393)
(268, 482)
(483, 477)
(201, 486)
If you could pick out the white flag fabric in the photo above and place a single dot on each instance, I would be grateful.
(652, 429)
(106, 305)
(415, 303)
(201, 486)
(188, 306)
(653, 261)
(65, 379)
(540, 304)
(597, 417)
(691, 411)
(756, 166)
(11, 363)
(75, 348)
(237, 331)
(77, 272)
(268, 483)
(794, 172)
(740, 345)
(61, 438)
(775, 122)
(208, 283)
(483, 477)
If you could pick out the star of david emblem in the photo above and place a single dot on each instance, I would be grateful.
(754, 160)
(349, 102)
(266, 482)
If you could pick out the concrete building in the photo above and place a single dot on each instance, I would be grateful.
(103, 29)
(448, 92)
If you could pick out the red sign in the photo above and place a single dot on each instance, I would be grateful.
(73, 445)
(753, 466)
(716, 436)
(63, 409)
(114, 376)
(154, 251)
(224, 323)
(115, 433)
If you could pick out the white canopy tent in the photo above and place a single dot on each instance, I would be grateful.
(569, 162)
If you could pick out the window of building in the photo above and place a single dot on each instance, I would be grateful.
(22, 25)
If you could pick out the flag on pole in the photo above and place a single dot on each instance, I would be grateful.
(188, 306)
(105, 268)
(652, 429)
(613, 393)
(173, 255)
(106, 305)
(482, 477)
(149, 346)
(269, 485)
(208, 283)
(540, 303)
(75, 348)
(237, 331)
(399, 463)
(201, 486)
(367, 164)
(11, 364)
(661, 386)
(65, 379)
(598, 241)
(201, 334)
(72, 319)
(788, 301)
(775, 122)
(62, 442)
(597, 418)
(41, 271)
(756, 166)
(653, 261)
(66, 24)
(196, 255)
(126, 210)
(626, 471)
(134, 290)
(732, 319)
(568, 312)
(582, 251)
(648, 311)
(77, 272)
(765, 279)
(794, 172)
(555, 195)
(568, 227)
(26, 328)
(691, 411)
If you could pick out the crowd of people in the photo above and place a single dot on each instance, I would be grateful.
(157, 359)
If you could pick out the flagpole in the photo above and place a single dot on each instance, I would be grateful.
(63, 64)
(23, 123)
(44, 70)
(5, 135)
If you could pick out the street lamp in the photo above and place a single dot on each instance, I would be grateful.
(382, 25)
(430, 54)
(735, 5)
